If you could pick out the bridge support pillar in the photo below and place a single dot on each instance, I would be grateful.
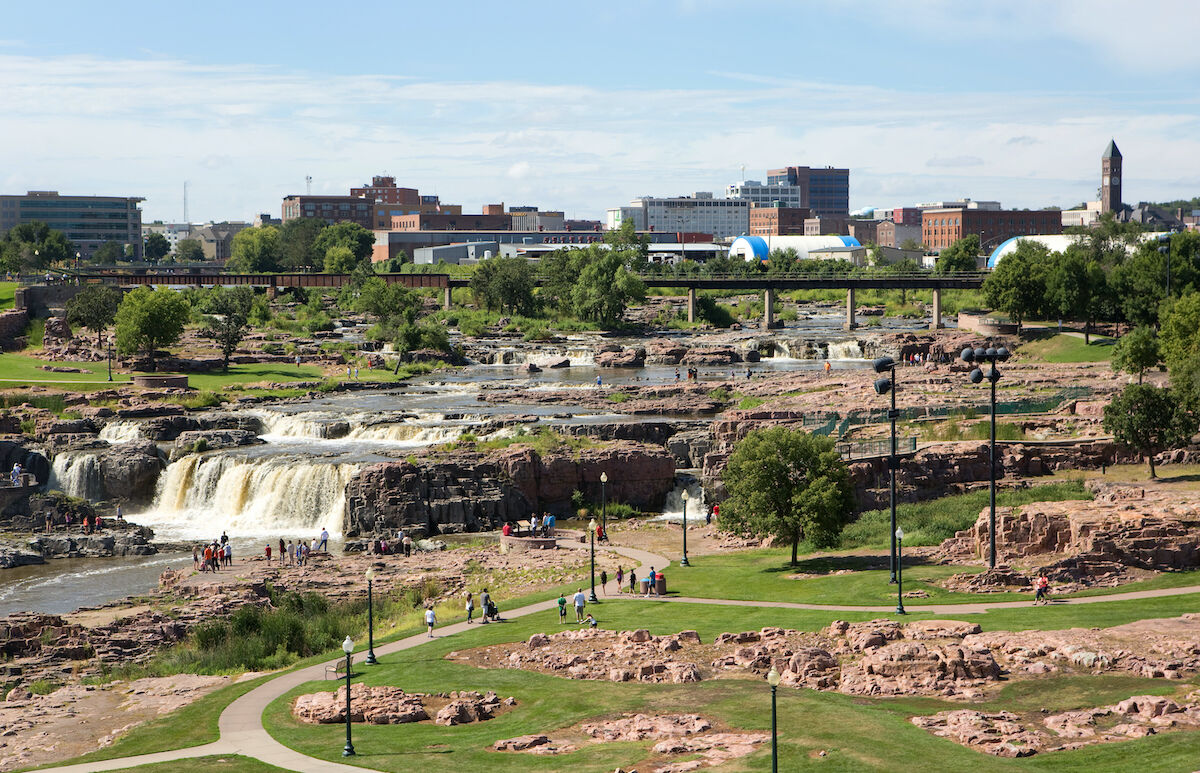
(768, 309)
(691, 304)
(446, 298)
(850, 323)
(272, 291)
(936, 322)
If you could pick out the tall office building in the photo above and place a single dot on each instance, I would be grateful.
(825, 192)
(87, 221)
(701, 213)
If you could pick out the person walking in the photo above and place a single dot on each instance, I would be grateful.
(1042, 588)
(620, 579)
(228, 554)
(562, 609)
(470, 607)
(407, 545)
(535, 523)
(580, 600)
(485, 602)
(650, 585)
(282, 548)
(268, 551)
(604, 582)
(632, 582)
(324, 543)
(430, 620)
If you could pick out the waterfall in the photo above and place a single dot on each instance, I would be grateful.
(204, 494)
(845, 350)
(673, 506)
(313, 425)
(581, 356)
(410, 434)
(77, 474)
(121, 431)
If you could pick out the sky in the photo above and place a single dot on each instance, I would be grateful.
(584, 106)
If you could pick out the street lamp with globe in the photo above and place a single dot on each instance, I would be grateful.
(348, 647)
(899, 534)
(684, 497)
(370, 661)
(979, 356)
(604, 502)
(773, 680)
(592, 531)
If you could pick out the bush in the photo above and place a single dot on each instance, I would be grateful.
(205, 399)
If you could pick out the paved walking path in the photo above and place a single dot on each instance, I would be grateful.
(242, 731)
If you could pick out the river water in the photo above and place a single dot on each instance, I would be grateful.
(293, 485)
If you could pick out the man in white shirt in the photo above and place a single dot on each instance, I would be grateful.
(580, 600)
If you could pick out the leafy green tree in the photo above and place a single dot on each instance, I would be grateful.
(297, 244)
(1179, 337)
(339, 260)
(605, 288)
(1017, 285)
(189, 251)
(963, 255)
(227, 318)
(1076, 288)
(156, 248)
(350, 235)
(1149, 420)
(255, 251)
(34, 246)
(109, 253)
(787, 484)
(150, 319)
(625, 238)
(95, 307)
(1136, 352)
(911, 244)
(502, 283)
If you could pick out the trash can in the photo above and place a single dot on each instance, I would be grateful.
(660, 585)
(645, 586)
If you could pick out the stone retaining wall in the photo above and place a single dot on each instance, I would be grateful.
(12, 328)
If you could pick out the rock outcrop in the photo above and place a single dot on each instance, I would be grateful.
(384, 705)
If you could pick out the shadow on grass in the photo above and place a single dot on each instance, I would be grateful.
(832, 564)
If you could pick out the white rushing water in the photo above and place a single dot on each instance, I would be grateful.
(673, 506)
(203, 495)
(77, 474)
(121, 431)
(845, 350)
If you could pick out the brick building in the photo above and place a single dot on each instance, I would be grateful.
(331, 209)
(891, 234)
(446, 222)
(942, 227)
(866, 231)
(777, 221)
(821, 226)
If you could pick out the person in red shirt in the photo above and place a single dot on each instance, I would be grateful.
(507, 530)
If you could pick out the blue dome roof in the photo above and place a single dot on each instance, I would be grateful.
(849, 241)
(758, 246)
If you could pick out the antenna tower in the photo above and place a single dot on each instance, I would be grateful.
(308, 184)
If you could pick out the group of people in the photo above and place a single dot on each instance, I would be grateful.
(580, 601)
(401, 545)
(291, 553)
(214, 555)
(90, 523)
(488, 610)
(539, 526)
(1041, 590)
(15, 475)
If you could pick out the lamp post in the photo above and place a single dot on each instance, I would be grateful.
(348, 647)
(899, 535)
(110, 338)
(883, 386)
(592, 531)
(604, 501)
(370, 661)
(990, 355)
(684, 561)
(773, 680)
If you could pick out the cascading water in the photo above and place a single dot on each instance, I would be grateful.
(121, 431)
(673, 506)
(77, 474)
(202, 495)
(845, 350)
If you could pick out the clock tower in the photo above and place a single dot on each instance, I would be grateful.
(1110, 179)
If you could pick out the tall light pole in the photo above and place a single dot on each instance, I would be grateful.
(592, 531)
(883, 386)
(370, 661)
(990, 355)
(348, 647)
(604, 502)
(773, 680)
(684, 561)
(899, 535)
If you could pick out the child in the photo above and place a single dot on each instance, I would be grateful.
(562, 609)
(589, 621)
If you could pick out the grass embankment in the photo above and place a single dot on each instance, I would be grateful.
(809, 721)
(17, 369)
(8, 295)
(1067, 348)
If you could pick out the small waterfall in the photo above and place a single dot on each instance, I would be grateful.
(845, 350)
(403, 432)
(581, 356)
(121, 431)
(673, 507)
(314, 425)
(78, 474)
(204, 494)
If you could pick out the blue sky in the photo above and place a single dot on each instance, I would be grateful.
(584, 106)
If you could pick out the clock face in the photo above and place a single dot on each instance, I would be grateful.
(1116, 180)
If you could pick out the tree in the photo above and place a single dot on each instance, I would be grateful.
(95, 307)
(228, 318)
(1076, 288)
(255, 251)
(505, 283)
(189, 251)
(109, 253)
(625, 238)
(149, 319)
(157, 247)
(912, 244)
(1148, 420)
(605, 288)
(1136, 352)
(339, 260)
(787, 484)
(351, 235)
(1017, 285)
(297, 244)
(1179, 336)
(963, 255)
(33, 246)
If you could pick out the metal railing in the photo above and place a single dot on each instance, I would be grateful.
(869, 449)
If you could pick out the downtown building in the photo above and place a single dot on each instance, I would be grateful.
(943, 226)
(701, 213)
(824, 191)
(88, 222)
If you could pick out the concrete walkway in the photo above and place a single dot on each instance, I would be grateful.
(242, 732)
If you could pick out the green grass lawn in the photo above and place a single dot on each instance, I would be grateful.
(1066, 348)
(8, 295)
(856, 733)
(25, 368)
(227, 763)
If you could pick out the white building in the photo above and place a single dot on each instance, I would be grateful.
(765, 195)
(1087, 217)
(173, 231)
(701, 213)
(989, 206)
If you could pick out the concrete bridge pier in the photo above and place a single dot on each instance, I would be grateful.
(936, 322)
(768, 309)
(446, 298)
(691, 304)
(272, 291)
(850, 323)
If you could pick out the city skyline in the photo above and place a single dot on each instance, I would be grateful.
(588, 109)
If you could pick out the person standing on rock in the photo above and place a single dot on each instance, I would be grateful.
(620, 579)
(268, 553)
(580, 600)
(282, 548)
(430, 620)
(228, 554)
(291, 553)
(408, 546)
(485, 603)
(195, 557)
(604, 582)
(324, 543)
(535, 523)
(562, 609)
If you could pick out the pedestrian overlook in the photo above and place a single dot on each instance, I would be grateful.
(768, 284)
